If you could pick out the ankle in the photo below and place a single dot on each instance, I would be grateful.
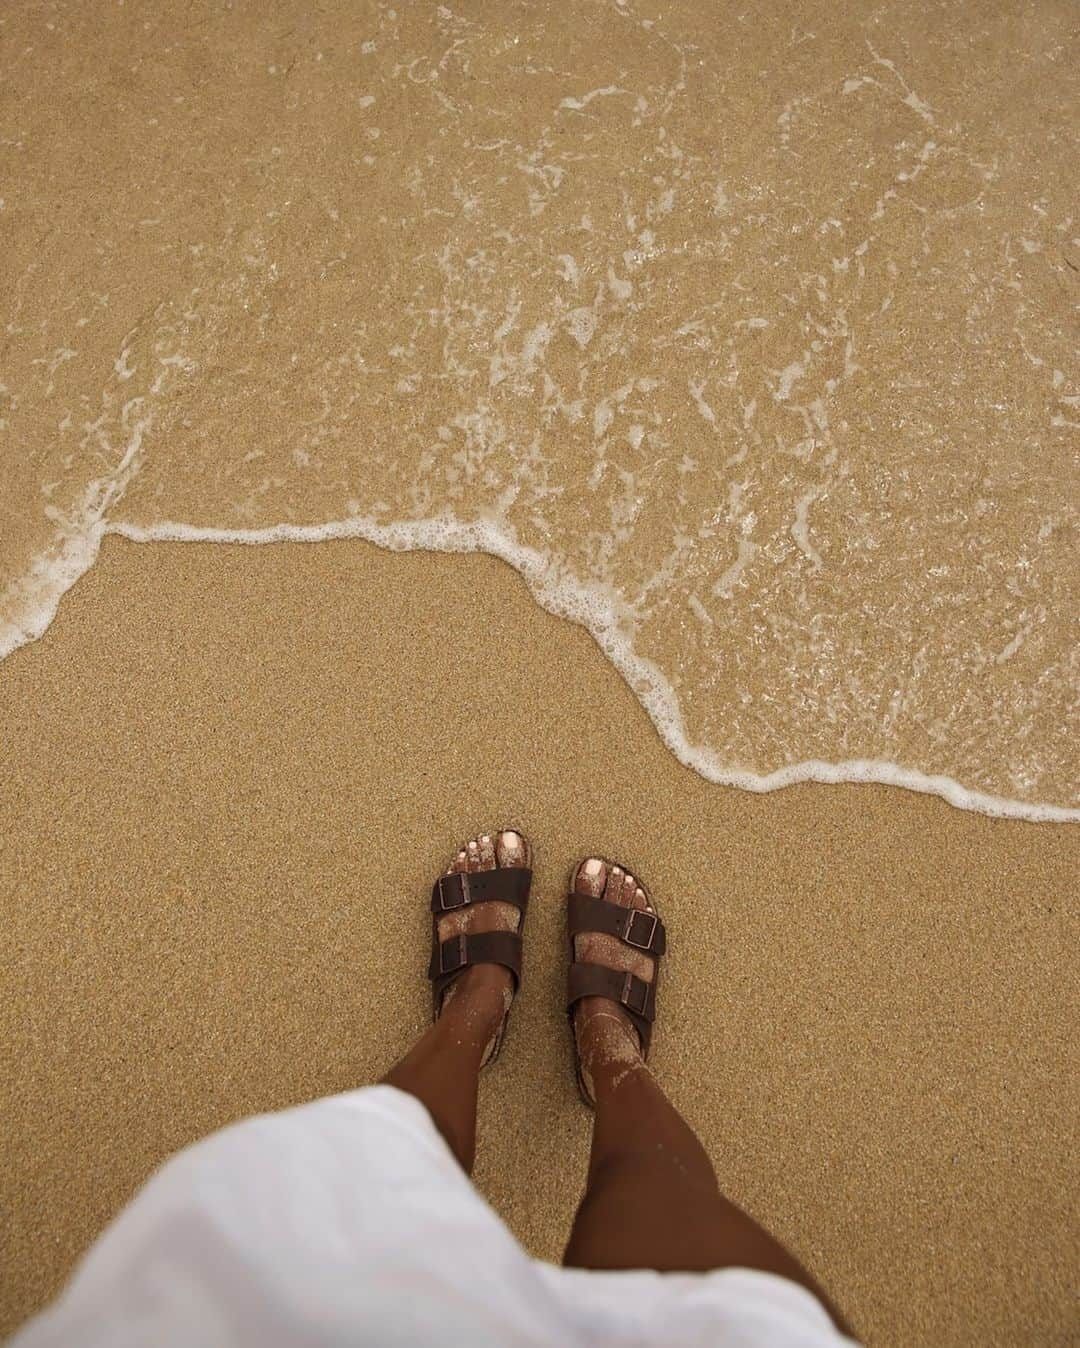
(607, 1039)
(476, 1003)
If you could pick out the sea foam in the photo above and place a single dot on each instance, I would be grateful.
(598, 610)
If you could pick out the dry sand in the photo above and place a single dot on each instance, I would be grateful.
(230, 774)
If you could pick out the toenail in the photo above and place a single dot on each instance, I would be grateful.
(593, 868)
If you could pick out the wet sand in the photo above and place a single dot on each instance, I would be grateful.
(230, 776)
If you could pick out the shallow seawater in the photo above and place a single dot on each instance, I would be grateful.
(747, 335)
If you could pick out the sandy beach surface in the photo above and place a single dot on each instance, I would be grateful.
(230, 775)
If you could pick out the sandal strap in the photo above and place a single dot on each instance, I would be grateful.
(633, 994)
(458, 953)
(504, 884)
(450, 958)
(633, 926)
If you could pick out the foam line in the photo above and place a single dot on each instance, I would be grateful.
(596, 609)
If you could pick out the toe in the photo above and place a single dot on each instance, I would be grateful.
(459, 863)
(591, 877)
(487, 852)
(511, 849)
(472, 849)
(614, 889)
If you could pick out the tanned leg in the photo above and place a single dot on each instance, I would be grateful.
(442, 1069)
(652, 1199)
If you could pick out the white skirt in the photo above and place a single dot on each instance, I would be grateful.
(348, 1222)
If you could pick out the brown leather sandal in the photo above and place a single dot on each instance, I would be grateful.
(450, 958)
(638, 928)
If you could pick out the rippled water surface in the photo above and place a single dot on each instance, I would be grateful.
(746, 333)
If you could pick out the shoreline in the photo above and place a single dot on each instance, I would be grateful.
(571, 602)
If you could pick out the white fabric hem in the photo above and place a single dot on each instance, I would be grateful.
(348, 1221)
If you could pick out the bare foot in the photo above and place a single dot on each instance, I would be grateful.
(606, 1037)
(483, 993)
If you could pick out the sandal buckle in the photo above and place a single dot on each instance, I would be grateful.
(464, 898)
(456, 953)
(628, 1000)
(628, 930)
